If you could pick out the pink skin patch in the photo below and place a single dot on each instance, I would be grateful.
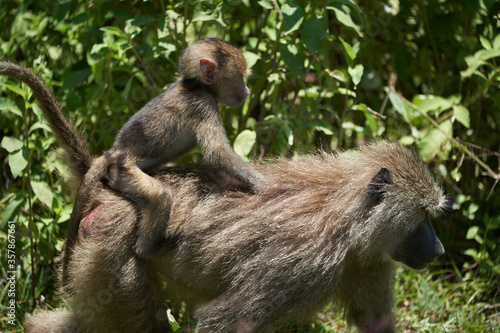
(92, 224)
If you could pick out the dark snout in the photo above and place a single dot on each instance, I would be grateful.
(420, 248)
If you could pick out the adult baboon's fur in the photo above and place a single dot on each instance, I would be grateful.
(77, 154)
(326, 229)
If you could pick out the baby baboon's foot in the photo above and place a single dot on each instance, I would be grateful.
(121, 173)
(125, 177)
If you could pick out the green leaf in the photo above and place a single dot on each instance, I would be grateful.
(455, 174)
(293, 59)
(293, 15)
(132, 30)
(407, 140)
(370, 118)
(133, 26)
(65, 214)
(356, 73)
(8, 105)
(488, 54)
(484, 42)
(472, 252)
(352, 126)
(473, 208)
(55, 52)
(338, 75)
(75, 78)
(493, 222)
(472, 232)
(496, 42)
(40, 125)
(478, 59)
(211, 14)
(81, 18)
(43, 192)
(433, 139)
(266, 4)
(16, 89)
(251, 58)
(462, 114)
(98, 51)
(287, 131)
(12, 209)
(18, 161)
(38, 112)
(115, 31)
(11, 144)
(173, 323)
(244, 143)
(342, 13)
(321, 126)
(314, 31)
(398, 104)
(428, 103)
(141, 20)
(351, 53)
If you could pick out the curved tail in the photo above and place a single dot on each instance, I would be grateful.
(78, 156)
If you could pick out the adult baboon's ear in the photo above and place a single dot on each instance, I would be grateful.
(377, 186)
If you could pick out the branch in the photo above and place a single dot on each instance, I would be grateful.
(464, 148)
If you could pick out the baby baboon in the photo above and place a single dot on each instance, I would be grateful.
(187, 114)
(326, 229)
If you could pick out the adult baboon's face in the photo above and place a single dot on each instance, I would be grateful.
(421, 246)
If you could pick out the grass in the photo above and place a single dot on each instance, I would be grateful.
(440, 302)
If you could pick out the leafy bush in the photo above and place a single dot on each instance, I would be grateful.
(327, 74)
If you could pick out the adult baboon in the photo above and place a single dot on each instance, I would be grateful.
(327, 229)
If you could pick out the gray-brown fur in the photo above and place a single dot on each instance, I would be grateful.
(313, 236)
(253, 262)
(110, 288)
(187, 113)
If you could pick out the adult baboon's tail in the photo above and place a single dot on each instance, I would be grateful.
(78, 156)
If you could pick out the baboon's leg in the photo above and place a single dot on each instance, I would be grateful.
(111, 288)
(153, 198)
(84, 201)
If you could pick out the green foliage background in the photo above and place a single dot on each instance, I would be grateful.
(327, 74)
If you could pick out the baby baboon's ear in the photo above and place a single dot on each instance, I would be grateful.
(207, 71)
(378, 184)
